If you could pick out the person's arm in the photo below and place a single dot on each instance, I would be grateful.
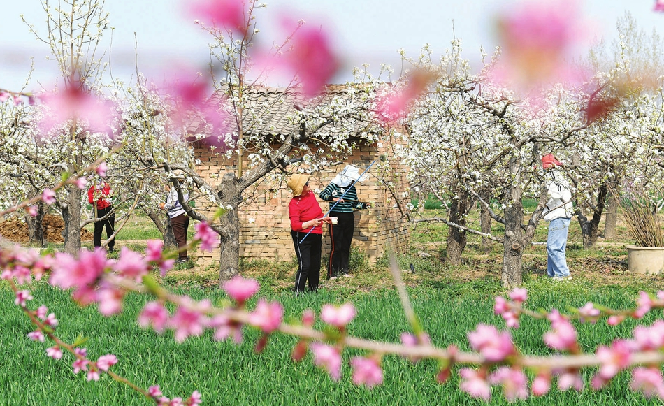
(170, 201)
(327, 193)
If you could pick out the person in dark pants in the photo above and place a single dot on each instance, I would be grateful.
(179, 221)
(343, 200)
(306, 218)
(99, 196)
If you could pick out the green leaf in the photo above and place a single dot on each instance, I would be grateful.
(220, 212)
(80, 340)
(152, 285)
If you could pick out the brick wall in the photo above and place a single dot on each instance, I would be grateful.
(265, 227)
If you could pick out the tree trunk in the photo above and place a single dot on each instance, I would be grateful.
(611, 216)
(36, 225)
(590, 228)
(229, 258)
(485, 223)
(71, 214)
(456, 238)
(514, 236)
(161, 221)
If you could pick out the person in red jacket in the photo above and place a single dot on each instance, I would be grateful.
(306, 218)
(99, 196)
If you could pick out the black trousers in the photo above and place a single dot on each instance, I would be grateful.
(308, 259)
(109, 223)
(341, 235)
(180, 224)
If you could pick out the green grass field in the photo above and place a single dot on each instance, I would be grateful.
(450, 301)
(229, 374)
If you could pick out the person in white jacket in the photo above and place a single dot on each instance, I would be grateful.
(558, 212)
(179, 221)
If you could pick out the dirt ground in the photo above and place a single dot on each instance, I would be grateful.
(17, 231)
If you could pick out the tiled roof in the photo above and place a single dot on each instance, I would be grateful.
(273, 111)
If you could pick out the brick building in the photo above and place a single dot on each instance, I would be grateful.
(265, 227)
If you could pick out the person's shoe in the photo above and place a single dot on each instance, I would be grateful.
(347, 275)
(561, 278)
(182, 260)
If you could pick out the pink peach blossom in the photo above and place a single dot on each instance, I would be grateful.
(110, 301)
(48, 196)
(474, 384)
(76, 103)
(54, 352)
(101, 169)
(154, 252)
(226, 328)
(41, 312)
(92, 374)
(189, 93)
(51, 321)
(154, 391)
(492, 344)
(81, 362)
(131, 264)
(267, 316)
(338, 316)
(644, 303)
(411, 340)
(106, 361)
(513, 381)
(36, 336)
(22, 274)
(311, 56)
(569, 379)
(153, 314)
(519, 295)
(187, 322)
(32, 210)
(613, 359)
(366, 371)
(589, 312)
(81, 182)
(241, 289)
(615, 320)
(328, 358)
(659, 6)
(227, 14)
(195, 399)
(650, 338)
(394, 104)
(500, 306)
(649, 381)
(22, 296)
(154, 249)
(207, 236)
(69, 272)
(541, 385)
(563, 336)
(308, 318)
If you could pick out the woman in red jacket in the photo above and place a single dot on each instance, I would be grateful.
(306, 217)
(99, 196)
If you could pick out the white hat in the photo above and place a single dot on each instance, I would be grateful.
(347, 176)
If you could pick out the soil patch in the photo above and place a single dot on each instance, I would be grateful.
(17, 231)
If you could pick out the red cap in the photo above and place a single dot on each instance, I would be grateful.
(549, 161)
